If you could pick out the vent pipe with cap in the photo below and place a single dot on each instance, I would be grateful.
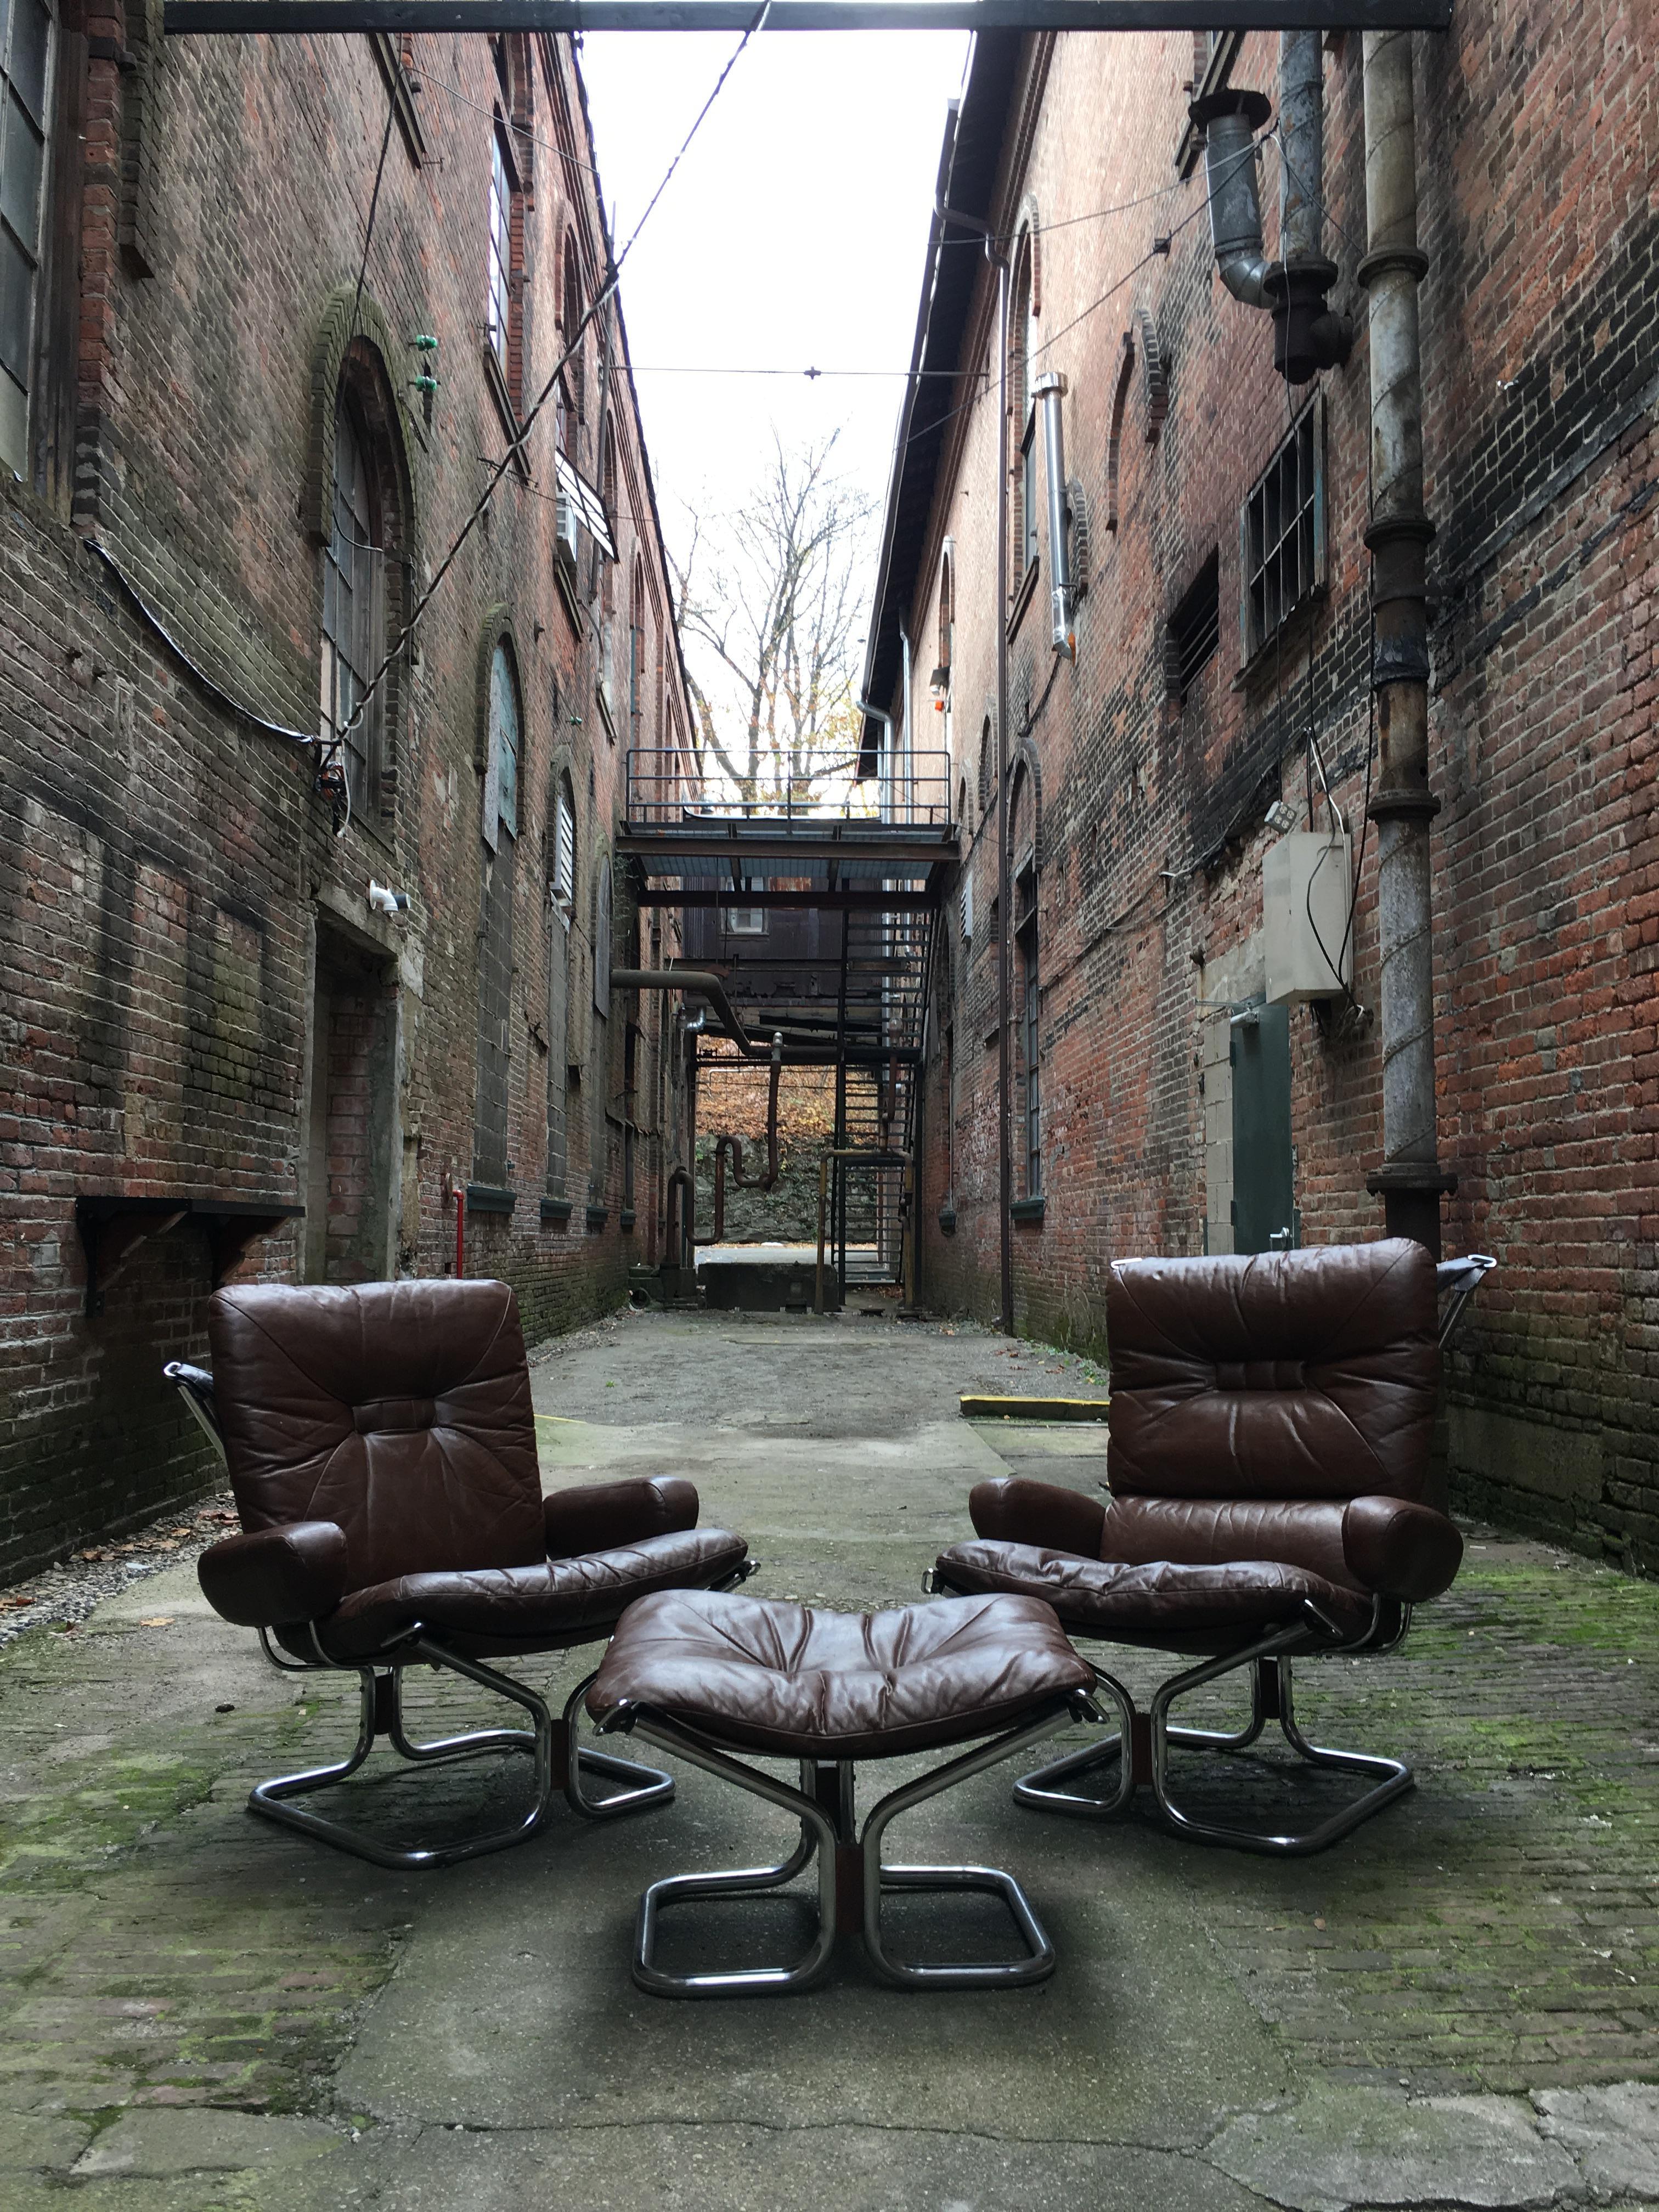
(1307, 336)
(1049, 390)
(1230, 121)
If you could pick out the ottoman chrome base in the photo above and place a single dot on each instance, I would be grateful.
(852, 1879)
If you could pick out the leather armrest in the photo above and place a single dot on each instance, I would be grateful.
(1406, 1551)
(1013, 1510)
(272, 1577)
(596, 1517)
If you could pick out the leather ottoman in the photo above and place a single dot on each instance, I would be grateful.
(710, 1675)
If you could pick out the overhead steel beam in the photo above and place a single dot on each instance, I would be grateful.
(872, 901)
(182, 16)
(663, 848)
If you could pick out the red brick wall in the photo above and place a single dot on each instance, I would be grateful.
(168, 881)
(1537, 154)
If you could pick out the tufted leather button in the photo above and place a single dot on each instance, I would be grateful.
(394, 1416)
(1260, 1375)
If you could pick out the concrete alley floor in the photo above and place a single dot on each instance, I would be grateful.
(1457, 2005)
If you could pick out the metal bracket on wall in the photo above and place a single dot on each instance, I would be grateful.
(112, 1226)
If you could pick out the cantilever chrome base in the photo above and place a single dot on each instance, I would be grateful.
(1150, 1736)
(561, 1763)
(851, 1878)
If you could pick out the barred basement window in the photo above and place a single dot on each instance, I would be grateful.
(1193, 631)
(1281, 533)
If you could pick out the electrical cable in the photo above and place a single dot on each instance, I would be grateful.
(368, 228)
(214, 690)
(601, 299)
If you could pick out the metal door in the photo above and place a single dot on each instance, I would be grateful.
(1264, 1188)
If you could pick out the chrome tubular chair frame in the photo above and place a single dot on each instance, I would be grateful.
(1150, 1736)
(560, 1760)
(852, 1878)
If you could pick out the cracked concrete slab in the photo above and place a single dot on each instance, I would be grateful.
(32, 2141)
(1345, 2147)
(751, 2169)
(158, 2143)
(1612, 2132)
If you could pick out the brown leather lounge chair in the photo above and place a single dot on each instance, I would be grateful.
(1269, 1427)
(382, 1448)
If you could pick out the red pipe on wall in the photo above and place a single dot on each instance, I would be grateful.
(460, 1235)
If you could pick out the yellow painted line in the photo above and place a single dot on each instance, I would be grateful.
(975, 1408)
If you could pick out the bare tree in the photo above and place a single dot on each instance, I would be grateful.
(770, 598)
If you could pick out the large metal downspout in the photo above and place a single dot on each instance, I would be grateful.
(1410, 1180)
(1004, 918)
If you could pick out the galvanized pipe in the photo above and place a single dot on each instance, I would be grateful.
(1410, 1180)
(701, 983)
(1050, 391)
(1230, 121)
(1302, 172)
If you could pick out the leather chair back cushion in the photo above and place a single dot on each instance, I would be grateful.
(400, 1410)
(1284, 1375)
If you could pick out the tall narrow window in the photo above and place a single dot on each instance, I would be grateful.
(25, 60)
(1021, 832)
(572, 374)
(354, 609)
(636, 654)
(562, 908)
(499, 306)
(599, 1058)
(606, 683)
(490, 1163)
(1281, 538)
(501, 812)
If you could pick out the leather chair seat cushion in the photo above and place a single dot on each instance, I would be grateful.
(1168, 1606)
(784, 1679)
(494, 1612)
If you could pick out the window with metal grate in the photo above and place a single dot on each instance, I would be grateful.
(1281, 533)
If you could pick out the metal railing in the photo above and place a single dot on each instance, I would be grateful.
(668, 788)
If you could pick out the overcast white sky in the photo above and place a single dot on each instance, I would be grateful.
(791, 236)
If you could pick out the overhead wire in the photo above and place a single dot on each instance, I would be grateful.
(601, 299)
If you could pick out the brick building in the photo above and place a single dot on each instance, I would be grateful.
(1170, 1090)
(272, 310)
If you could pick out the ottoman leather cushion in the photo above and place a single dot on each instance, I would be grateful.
(793, 1682)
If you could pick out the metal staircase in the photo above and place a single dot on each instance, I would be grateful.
(818, 919)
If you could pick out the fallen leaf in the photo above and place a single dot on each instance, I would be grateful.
(157, 1620)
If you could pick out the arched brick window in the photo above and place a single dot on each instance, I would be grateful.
(502, 743)
(636, 649)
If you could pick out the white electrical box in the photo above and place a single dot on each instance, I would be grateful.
(1307, 888)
